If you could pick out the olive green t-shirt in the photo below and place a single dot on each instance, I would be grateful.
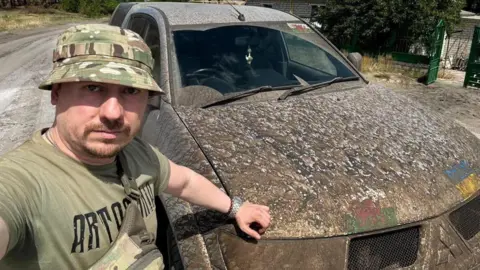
(63, 214)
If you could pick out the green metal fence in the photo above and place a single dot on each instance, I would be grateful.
(405, 48)
(472, 76)
(436, 52)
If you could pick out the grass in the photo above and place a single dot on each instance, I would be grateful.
(445, 74)
(382, 66)
(33, 17)
(385, 69)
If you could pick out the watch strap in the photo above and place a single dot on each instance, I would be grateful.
(236, 202)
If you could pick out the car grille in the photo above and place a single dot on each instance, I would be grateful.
(392, 249)
(466, 219)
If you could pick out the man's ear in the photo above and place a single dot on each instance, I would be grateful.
(54, 94)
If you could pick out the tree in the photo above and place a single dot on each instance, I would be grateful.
(71, 6)
(5, 4)
(376, 25)
(473, 6)
(91, 8)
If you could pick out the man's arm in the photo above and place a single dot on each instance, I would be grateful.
(196, 189)
(15, 206)
(4, 238)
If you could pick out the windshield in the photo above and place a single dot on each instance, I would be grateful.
(223, 60)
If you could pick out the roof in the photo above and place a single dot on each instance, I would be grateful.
(471, 18)
(313, 2)
(302, 9)
(465, 13)
(179, 13)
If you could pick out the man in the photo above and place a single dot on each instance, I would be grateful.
(61, 200)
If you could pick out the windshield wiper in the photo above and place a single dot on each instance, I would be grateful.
(316, 86)
(235, 96)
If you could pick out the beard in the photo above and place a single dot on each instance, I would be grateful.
(107, 150)
(103, 147)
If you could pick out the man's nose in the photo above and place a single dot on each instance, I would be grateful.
(112, 109)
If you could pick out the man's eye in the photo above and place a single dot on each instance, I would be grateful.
(132, 91)
(93, 88)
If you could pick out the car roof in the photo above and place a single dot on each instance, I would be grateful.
(179, 13)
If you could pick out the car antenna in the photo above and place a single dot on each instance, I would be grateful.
(240, 17)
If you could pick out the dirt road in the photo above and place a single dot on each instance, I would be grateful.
(25, 60)
(447, 97)
(456, 102)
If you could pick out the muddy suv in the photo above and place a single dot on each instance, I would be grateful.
(262, 104)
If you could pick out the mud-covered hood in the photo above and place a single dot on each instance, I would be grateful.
(339, 163)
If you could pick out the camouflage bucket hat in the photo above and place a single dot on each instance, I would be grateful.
(102, 53)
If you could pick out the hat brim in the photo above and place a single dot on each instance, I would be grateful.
(103, 72)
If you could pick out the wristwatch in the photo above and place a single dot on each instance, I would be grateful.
(234, 207)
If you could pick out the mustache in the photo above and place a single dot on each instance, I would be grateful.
(110, 126)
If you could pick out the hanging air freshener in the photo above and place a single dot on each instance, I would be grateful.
(249, 57)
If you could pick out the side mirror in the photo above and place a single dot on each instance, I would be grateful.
(356, 59)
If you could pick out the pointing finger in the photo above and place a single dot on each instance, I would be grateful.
(250, 231)
(262, 221)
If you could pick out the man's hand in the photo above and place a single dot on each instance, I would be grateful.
(4, 237)
(249, 214)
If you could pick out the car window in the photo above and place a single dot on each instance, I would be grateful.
(225, 59)
(306, 53)
(152, 39)
(137, 25)
(148, 30)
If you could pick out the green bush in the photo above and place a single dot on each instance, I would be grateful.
(94, 8)
(71, 5)
(90, 8)
(381, 26)
(108, 6)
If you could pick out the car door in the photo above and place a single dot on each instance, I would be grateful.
(147, 28)
(163, 129)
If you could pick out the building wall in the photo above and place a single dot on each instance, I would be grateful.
(301, 9)
(223, 2)
(456, 49)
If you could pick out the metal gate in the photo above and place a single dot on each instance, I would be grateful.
(472, 76)
(436, 52)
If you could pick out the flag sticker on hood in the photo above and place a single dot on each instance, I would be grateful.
(300, 28)
(465, 178)
(369, 215)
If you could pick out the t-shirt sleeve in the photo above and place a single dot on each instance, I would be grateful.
(13, 206)
(164, 171)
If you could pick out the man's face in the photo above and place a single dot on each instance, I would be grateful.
(97, 119)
